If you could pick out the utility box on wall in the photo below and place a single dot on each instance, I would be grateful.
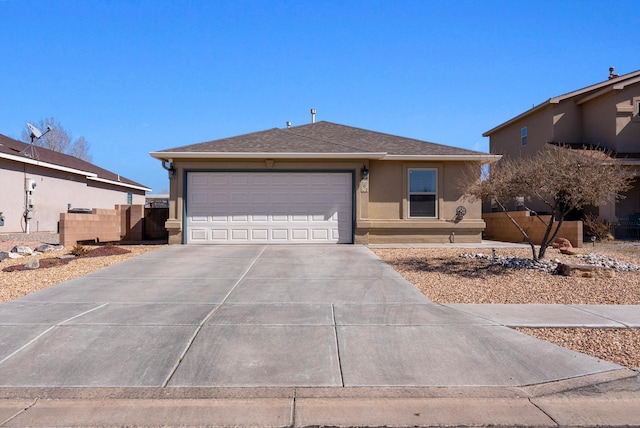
(1, 219)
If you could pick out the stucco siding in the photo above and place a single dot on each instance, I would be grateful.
(628, 119)
(567, 123)
(380, 203)
(385, 190)
(508, 142)
(53, 192)
(599, 119)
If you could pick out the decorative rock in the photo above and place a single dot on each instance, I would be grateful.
(3, 255)
(32, 264)
(551, 266)
(585, 271)
(67, 256)
(48, 247)
(15, 255)
(21, 249)
(565, 247)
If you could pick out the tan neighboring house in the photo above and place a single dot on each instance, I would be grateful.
(39, 184)
(605, 115)
(320, 183)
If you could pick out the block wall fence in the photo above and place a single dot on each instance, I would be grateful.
(125, 222)
(500, 228)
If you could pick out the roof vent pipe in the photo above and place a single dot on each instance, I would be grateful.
(313, 115)
(288, 124)
(612, 75)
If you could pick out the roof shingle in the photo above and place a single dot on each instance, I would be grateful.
(13, 147)
(321, 137)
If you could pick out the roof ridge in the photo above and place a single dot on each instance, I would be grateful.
(324, 140)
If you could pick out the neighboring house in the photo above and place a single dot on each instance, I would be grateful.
(320, 183)
(38, 184)
(604, 115)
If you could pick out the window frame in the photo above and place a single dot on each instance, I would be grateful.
(434, 193)
(524, 136)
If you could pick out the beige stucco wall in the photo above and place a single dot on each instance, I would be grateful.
(54, 190)
(599, 121)
(567, 123)
(380, 203)
(539, 126)
(628, 119)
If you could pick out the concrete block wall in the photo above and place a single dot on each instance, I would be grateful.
(102, 225)
(131, 222)
(500, 228)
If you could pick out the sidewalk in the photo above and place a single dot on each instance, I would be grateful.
(604, 400)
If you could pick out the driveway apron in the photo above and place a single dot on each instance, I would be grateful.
(262, 316)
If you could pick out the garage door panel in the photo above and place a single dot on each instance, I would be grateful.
(220, 235)
(269, 207)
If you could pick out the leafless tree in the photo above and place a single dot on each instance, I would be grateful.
(58, 139)
(563, 179)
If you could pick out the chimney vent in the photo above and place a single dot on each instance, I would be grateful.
(313, 115)
(612, 75)
(288, 124)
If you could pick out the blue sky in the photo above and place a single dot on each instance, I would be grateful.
(144, 75)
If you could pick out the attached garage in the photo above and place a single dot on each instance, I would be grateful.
(269, 207)
(320, 183)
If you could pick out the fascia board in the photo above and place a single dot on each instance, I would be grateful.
(165, 156)
(30, 161)
(464, 158)
(622, 85)
(521, 116)
(118, 183)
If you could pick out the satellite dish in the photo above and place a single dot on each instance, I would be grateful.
(35, 132)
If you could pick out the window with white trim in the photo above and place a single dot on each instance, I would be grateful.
(423, 193)
(523, 136)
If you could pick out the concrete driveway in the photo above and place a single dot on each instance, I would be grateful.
(262, 316)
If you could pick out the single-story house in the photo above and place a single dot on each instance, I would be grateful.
(320, 183)
(39, 184)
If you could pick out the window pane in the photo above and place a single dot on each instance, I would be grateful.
(422, 205)
(422, 181)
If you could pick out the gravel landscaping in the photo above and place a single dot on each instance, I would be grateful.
(25, 281)
(457, 276)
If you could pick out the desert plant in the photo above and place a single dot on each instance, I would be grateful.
(563, 179)
(598, 227)
(79, 250)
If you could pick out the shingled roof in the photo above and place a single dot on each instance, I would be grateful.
(321, 139)
(21, 152)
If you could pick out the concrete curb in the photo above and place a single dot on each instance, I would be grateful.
(605, 399)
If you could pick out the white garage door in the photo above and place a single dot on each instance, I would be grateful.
(269, 207)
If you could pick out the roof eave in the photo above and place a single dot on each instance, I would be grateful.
(35, 162)
(165, 156)
(88, 175)
(119, 183)
(458, 158)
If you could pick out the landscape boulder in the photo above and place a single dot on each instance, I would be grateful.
(585, 271)
(22, 249)
(32, 264)
(565, 247)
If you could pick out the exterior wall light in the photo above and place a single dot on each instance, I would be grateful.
(365, 172)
